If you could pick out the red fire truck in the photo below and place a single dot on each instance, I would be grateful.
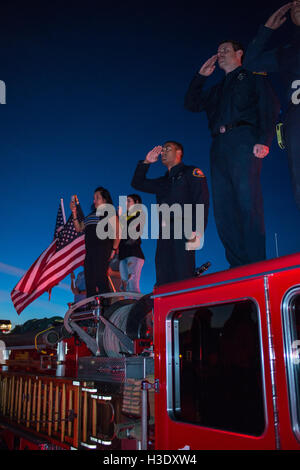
(212, 362)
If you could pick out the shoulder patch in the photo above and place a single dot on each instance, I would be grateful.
(260, 73)
(198, 173)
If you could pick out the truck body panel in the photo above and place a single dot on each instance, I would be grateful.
(222, 370)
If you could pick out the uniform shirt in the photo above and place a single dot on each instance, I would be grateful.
(284, 60)
(183, 184)
(240, 96)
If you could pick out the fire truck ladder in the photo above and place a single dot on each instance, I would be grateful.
(45, 406)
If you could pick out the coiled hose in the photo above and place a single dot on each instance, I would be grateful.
(111, 344)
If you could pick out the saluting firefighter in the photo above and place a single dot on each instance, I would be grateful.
(242, 111)
(182, 185)
(285, 62)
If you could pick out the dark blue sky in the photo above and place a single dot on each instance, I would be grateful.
(91, 88)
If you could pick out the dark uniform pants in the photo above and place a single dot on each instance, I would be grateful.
(173, 262)
(292, 138)
(237, 196)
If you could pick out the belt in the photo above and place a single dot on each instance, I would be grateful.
(227, 127)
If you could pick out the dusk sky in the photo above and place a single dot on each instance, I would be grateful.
(91, 88)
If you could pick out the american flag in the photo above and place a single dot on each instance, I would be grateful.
(65, 254)
(59, 222)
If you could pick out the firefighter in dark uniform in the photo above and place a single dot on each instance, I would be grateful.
(285, 62)
(242, 111)
(182, 184)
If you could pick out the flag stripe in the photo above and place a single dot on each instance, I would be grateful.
(33, 273)
(59, 258)
(53, 277)
(48, 277)
(25, 300)
(64, 254)
(22, 300)
(55, 270)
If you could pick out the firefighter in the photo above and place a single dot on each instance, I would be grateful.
(181, 184)
(242, 111)
(284, 61)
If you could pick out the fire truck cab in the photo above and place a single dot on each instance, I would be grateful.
(227, 359)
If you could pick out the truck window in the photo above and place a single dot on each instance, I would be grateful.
(216, 367)
(291, 317)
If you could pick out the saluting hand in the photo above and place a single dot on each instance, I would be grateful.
(278, 18)
(153, 155)
(209, 66)
(260, 151)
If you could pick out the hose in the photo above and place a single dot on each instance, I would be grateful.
(111, 343)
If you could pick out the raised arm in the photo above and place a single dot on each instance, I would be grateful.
(79, 225)
(196, 98)
(257, 58)
(139, 180)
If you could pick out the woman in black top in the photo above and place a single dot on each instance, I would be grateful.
(101, 245)
(131, 255)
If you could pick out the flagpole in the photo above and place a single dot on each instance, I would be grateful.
(63, 209)
(111, 283)
(64, 219)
